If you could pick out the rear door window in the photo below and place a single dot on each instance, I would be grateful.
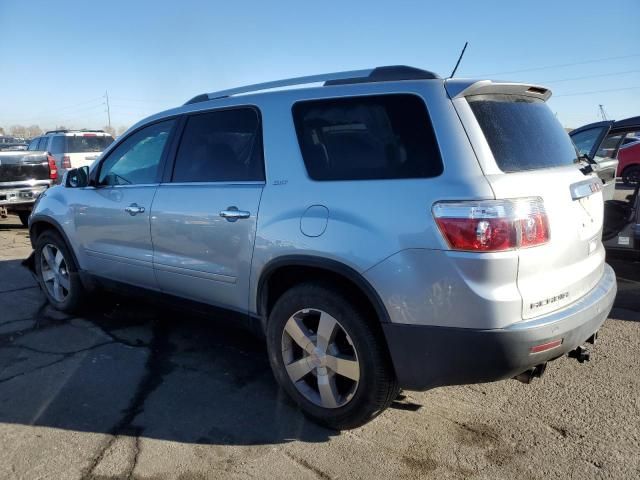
(87, 142)
(367, 138)
(586, 140)
(43, 143)
(221, 146)
(33, 145)
(522, 132)
(57, 144)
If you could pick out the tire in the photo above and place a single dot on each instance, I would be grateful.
(359, 393)
(24, 218)
(631, 175)
(73, 294)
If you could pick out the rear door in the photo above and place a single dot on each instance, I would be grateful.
(204, 216)
(113, 217)
(525, 152)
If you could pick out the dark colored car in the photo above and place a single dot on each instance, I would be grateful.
(601, 143)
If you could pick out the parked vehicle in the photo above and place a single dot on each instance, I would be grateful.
(388, 229)
(621, 232)
(12, 147)
(629, 161)
(600, 142)
(23, 177)
(72, 148)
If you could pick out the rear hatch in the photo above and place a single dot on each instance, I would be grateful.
(83, 148)
(524, 152)
(23, 166)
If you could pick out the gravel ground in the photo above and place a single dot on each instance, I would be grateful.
(133, 391)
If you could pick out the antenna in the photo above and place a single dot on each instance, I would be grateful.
(459, 59)
(602, 112)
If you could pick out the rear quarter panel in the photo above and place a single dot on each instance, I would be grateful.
(368, 221)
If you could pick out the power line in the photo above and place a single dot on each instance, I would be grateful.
(559, 65)
(597, 91)
(589, 76)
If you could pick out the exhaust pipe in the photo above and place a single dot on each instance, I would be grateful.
(528, 375)
(581, 354)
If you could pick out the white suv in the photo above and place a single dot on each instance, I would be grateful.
(72, 148)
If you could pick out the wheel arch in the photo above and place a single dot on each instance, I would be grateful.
(40, 224)
(280, 274)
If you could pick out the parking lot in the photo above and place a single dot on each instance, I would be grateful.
(134, 391)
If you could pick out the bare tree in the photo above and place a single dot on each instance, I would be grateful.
(17, 131)
(33, 131)
(1, 131)
(110, 130)
(122, 129)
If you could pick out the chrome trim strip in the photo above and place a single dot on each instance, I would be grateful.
(585, 188)
(119, 259)
(190, 272)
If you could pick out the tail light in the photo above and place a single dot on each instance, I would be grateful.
(53, 169)
(66, 162)
(493, 225)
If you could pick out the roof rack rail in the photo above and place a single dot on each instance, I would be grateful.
(68, 130)
(378, 74)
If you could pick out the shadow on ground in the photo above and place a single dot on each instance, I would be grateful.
(131, 368)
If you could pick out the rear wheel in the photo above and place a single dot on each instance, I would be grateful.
(24, 218)
(57, 273)
(631, 175)
(327, 358)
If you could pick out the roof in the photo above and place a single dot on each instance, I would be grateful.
(83, 130)
(625, 124)
(377, 74)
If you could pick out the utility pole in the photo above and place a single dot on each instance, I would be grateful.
(602, 112)
(106, 95)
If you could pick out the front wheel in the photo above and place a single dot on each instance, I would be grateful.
(57, 273)
(328, 358)
(631, 175)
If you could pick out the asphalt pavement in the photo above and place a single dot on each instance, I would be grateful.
(132, 390)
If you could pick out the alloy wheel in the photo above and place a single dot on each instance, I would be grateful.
(320, 358)
(54, 272)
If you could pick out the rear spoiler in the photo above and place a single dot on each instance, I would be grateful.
(458, 88)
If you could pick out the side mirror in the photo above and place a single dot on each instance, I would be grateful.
(77, 177)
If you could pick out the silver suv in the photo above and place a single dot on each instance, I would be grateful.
(387, 229)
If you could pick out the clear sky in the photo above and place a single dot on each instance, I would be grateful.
(59, 57)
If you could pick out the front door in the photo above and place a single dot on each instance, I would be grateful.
(203, 221)
(113, 217)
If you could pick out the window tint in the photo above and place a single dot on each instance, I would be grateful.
(222, 146)
(522, 132)
(57, 144)
(609, 146)
(87, 142)
(43, 143)
(136, 159)
(367, 138)
(585, 140)
(33, 145)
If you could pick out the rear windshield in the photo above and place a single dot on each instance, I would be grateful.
(522, 132)
(87, 143)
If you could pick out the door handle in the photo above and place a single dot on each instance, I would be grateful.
(134, 209)
(232, 214)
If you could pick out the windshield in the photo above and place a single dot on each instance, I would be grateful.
(522, 132)
(87, 143)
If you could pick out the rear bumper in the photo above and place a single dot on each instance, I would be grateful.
(427, 356)
(20, 196)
